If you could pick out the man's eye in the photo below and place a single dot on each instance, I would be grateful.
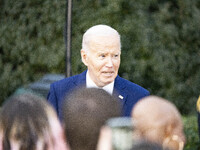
(103, 55)
(116, 55)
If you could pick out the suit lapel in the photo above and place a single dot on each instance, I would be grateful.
(119, 90)
(119, 87)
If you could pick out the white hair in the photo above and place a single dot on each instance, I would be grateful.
(98, 30)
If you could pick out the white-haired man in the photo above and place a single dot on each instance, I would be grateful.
(101, 49)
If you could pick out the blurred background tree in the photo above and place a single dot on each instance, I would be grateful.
(160, 43)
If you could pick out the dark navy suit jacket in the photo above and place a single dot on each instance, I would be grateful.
(127, 92)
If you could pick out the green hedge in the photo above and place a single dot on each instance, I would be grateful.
(160, 43)
(191, 132)
(31, 42)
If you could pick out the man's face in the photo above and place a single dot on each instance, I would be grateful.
(102, 59)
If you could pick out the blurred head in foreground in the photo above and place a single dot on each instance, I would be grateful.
(28, 122)
(147, 145)
(158, 120)
(85, 111)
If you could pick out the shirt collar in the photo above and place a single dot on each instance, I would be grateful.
(90, 84)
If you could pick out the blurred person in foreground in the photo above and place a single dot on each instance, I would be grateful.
(198, 114)
(147, 145)
(101, 50)
(85, 112)
(28, 122)
(158, 120)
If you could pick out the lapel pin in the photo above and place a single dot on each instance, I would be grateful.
(121, 97)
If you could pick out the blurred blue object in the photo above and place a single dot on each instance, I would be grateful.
(40, 87)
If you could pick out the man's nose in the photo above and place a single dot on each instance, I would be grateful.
(109, 62)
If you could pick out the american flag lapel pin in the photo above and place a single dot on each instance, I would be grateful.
(121, 97)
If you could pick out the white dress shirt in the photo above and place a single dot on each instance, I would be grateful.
(90, 84)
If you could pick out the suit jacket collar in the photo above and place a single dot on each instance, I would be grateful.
(118, 91)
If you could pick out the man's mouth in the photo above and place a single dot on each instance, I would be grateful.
(108, 73)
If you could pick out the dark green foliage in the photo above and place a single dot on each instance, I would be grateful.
(31, 42)
(191, 133)
(160, 43)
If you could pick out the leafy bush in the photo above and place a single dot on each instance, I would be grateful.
(191, 132)
(31, 42)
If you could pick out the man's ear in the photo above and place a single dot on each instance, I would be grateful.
(84, 57)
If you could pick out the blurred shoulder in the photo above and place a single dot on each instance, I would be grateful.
(198, 104)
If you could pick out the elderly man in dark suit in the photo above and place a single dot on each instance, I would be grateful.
(101, 50)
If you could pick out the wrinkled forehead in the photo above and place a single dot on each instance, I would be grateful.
(110, 41)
